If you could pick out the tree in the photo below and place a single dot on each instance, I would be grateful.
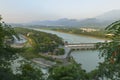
(29, 73)
(111, 52)
(8, 54)
(69, 72)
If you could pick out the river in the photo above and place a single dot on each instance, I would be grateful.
(88, 59)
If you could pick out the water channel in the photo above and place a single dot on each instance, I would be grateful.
(88, 59)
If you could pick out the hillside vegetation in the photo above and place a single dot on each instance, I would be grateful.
(41, 42)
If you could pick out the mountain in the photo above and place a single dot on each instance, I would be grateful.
(111, 15)
(67, 22)
(99, 21)
(59, 22)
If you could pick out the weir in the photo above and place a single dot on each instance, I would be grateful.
(81, 46)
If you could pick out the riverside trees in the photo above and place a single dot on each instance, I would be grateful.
(41, 41)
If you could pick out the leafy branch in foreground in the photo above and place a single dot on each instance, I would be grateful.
(111, 52)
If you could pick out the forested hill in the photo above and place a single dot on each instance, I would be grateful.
(41, 41)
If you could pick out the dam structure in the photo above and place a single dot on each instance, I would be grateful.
(81, 46)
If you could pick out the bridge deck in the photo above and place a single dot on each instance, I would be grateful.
(79, 46)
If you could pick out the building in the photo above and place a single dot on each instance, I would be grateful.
(88, 29)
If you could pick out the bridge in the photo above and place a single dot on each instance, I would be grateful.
(81, 46)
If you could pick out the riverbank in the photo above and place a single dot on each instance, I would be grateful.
(96, 34)
(86, 35)
(55, 54)
(92, 57)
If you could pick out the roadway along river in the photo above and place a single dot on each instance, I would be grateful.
(88, 59)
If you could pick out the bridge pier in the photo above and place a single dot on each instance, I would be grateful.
(79, 46)
(83, 49)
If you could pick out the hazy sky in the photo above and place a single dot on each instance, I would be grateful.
(32, 10)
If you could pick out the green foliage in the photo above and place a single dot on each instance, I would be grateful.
(29, 73)
(114, 28)
(69, 72)
(111, 52)
(41, 41)
(59, 51)
(29, 53)
(6, 74)
(94, 75)
(8, 54)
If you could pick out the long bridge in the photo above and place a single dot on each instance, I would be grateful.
(81, 46)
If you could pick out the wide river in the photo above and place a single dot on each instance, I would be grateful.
(89, 59)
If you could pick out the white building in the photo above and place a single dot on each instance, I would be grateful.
(88, 29)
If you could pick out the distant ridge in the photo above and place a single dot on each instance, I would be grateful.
(111, 15)
(99, 21)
